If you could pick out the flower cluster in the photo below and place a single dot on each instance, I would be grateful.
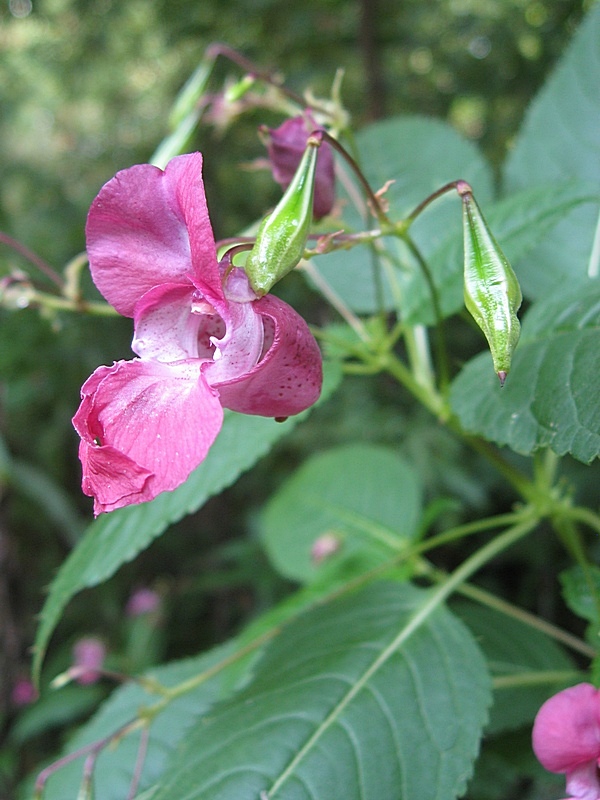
(203, 340)
(566, 739)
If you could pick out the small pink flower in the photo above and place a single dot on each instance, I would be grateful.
(142, 601)
(23, 693)
(566, 739)
(286, 145)
(88, 658)
(204, 341)
(324, 547)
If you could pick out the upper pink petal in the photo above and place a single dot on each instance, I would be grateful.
(288, 377)
(566, 732)
(147, 227)
(144, 427)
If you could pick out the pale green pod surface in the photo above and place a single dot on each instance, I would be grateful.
(491, 289)
(282, 236)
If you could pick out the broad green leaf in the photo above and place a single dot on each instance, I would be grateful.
(374, 696)
(405, 150)
(559, 141)
(527, 665)
(551, 395)
(116, 538)
(115, 766)
(519, 223)
(365, 497)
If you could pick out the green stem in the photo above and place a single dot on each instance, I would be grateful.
(62, 304)
(586, 516)
(541, 678)
(492, 601)
(440, 341)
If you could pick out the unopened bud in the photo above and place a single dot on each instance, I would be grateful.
(491, 289)
(282, 236)
(286, 146)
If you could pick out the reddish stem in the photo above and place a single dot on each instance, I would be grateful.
(34, 259)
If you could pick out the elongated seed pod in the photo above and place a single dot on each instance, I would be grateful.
(282, 236)
(491, 289)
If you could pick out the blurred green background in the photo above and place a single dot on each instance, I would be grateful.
(85, 89)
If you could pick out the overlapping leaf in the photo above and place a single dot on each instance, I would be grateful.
(374, 696)
(551, 396)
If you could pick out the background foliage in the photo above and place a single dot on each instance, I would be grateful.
(85, 89)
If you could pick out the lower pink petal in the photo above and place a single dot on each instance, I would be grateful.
(144, 427)
(288, 377)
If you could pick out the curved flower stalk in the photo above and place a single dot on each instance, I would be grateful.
(204, 340)
(566, 739)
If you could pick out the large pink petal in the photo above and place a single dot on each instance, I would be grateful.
(288, 378)
(144, 427)
(566, 732)
(147, 227)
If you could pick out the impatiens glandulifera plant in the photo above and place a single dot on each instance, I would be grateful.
(204, 339)
(383, 673)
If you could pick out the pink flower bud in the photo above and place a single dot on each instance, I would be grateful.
(324, 547)
(566, 739)
(23, 693)
(142, 601)
(88, 658)
(286, 146)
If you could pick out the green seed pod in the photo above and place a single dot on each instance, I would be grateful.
(282, 236)
(491, 289)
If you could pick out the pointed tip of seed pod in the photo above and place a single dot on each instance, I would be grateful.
(502, 376)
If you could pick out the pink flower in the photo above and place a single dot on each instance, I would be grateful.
(23, 693)
(88, 658)
(566, 739)
(143, 601)
(286, 145)
(204, 341)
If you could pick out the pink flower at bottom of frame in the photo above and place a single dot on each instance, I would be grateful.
(566, 739)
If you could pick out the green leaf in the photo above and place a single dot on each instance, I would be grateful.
(559, 140)
(551, 395)
(114, 768)
(364, 496)
(374, 696)
(526, 665)
(116, 538)
(406, 150)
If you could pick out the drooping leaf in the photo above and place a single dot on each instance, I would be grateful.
(370, 697)
(405, 150)
(551, 395)
(527, 664)
(116, 538)
(365, 497)
(559, 140)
